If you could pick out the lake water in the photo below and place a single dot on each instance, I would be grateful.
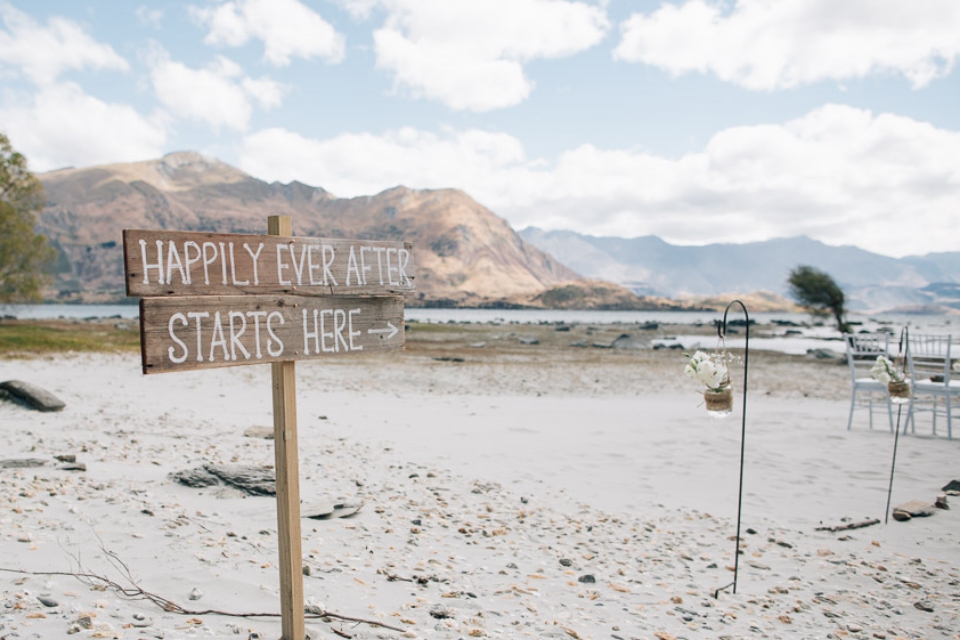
(939, 324)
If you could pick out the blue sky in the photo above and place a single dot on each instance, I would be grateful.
(696, 120)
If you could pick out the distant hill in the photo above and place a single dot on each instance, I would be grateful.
(465, 255)
(650, 266)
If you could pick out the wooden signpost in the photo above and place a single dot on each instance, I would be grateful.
(220, 300)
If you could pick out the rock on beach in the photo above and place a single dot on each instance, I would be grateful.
(31, 395)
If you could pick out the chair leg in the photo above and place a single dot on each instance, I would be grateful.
(935, 402)
(890, 413)
(946, 400)
(853, 404)
(909, 420)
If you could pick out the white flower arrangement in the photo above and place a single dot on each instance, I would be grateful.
(884, 371)
(709, 370)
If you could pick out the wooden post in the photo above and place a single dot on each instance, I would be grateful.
(288, 480)
(261, 286)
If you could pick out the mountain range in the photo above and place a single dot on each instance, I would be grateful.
(650, 266)
(465, 254)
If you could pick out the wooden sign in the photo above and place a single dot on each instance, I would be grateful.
(182, 263)
(202, 332)
(219, 300)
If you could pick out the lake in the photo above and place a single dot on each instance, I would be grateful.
(940, 324)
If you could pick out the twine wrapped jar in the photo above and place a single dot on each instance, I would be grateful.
(899, 391)
(719, 402)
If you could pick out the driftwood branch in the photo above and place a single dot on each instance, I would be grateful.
(135, 592)
(850, 525)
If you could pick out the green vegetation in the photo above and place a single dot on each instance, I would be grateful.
(21, 337)
(432, 327)
(25, 257)
(563, 296)
(593, 295)
(817, 292)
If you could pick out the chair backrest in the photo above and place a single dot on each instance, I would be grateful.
(928, 357)
(862, 352)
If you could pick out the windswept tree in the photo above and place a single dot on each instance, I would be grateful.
(817, 292)
(25, 256)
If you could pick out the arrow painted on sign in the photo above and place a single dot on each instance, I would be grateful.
(391, 329)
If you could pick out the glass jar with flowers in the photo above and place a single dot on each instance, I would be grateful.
(710, 370)
(885, 372)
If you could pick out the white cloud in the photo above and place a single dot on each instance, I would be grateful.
(357, 164)
(266, 92)
(149, 17)
(287, 28)
(63, 126)
(218, 94)
(359, 9)
(469, 55)
(842, 175)
(776, 44)
(41, 53)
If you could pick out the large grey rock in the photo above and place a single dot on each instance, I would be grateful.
(195, 478)
(31, 395)
(626, 341)
(251, 479)
(913, 509)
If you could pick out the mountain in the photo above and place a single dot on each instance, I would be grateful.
(465, 255)
(650, 266)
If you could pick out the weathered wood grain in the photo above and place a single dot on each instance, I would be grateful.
(284, 379)
(201, 332)
(178, 263)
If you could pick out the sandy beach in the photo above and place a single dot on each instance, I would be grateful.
(506, 490)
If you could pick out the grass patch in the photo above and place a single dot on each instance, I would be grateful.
(433, 327)
(24, 337)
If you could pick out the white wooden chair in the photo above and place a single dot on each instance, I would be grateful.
(865, 392)
(928, 359)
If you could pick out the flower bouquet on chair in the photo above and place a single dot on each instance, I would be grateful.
(884, 371)
(711, 371)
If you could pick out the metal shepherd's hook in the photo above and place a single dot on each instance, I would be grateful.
(722, 331)
(901, 352)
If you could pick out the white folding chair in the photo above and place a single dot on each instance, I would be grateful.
(865, 392)
(928, 358)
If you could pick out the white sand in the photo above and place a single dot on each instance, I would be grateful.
(635, 489)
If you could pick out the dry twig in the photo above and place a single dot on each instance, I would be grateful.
(135, 592)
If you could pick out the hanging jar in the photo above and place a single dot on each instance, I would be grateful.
(719, 402)
(899, 391)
